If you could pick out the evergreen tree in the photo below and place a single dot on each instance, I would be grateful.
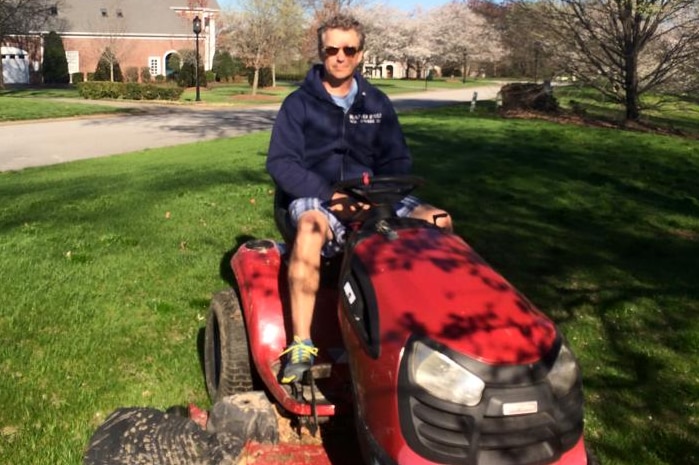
(187, 72)
(54, 67)
(108, 68)
(223, 65)
(174, 63)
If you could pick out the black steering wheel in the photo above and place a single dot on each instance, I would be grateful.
(379, 190)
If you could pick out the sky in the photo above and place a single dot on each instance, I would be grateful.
(407, 5)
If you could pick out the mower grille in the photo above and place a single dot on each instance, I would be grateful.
(473, 437)
(448, 433)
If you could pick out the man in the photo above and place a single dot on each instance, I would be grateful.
(335, 126)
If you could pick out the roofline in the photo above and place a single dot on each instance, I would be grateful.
(116, 35)
(203, 10)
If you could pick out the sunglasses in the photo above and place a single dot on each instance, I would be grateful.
(348, 51)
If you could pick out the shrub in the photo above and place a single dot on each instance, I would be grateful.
(107, 65)
(160, 78)
(77, 77)
(452, 69)
(131, 74)
(223, 65)
(174, 63)
(132, 90)
(187, 75)
(55, 64)
(145, 74)
(210, 76)
(100, 89)
(90, 77)
(264, 79)
(290, 77)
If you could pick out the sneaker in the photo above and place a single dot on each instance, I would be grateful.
(300, 356)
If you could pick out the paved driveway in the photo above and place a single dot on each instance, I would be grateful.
(39, 143)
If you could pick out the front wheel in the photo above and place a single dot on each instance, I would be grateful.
(226, 356)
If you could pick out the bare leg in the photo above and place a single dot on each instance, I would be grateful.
(304, 270)
(428, 213)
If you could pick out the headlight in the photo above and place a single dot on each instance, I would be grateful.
(443, 378)
(564, 373)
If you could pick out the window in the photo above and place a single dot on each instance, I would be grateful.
(104, 12)
(53, 10)
(73, 57)
(154, 65)
(120, 14)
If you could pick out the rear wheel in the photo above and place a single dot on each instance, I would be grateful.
(591, 457)
(226, 356)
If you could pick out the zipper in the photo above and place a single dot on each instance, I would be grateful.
(345, 117)
(345, 122)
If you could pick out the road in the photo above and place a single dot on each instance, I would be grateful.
(47, 142)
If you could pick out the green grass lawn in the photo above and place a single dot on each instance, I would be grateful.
(107, 267)
(20, 108)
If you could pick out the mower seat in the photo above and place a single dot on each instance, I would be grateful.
(281, 216)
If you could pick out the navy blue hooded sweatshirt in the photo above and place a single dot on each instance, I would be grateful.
(315, 143)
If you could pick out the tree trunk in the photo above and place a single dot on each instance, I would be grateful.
(631, 87)
(255, 80)
(274, 75)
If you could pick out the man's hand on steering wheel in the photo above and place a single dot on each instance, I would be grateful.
(345, 207)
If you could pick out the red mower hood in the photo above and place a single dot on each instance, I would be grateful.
(435, 285)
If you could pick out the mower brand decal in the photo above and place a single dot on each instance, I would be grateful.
(520, 408)
(349, 293)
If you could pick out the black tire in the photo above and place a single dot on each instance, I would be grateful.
(591, 457)
(227, 364)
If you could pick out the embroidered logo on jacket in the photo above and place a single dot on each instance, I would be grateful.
(365, 118)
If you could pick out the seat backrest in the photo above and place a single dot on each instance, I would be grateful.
(281, 216)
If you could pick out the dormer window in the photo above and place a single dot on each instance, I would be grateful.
(53, 10)
(119, 13)
(104, 12)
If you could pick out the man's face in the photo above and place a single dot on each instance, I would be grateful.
(341, 54)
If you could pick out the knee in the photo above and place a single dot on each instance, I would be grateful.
(436, 216)
(312, 226)
(312, 231)
(442, 220)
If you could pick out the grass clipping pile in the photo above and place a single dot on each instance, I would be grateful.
(522, 97)
(148, 436)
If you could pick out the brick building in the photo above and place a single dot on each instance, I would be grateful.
(141, 33)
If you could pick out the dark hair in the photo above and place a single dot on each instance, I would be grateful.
(344, 22)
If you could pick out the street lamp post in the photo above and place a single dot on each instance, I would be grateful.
(464, 56)
(537, 50)
(196, 27)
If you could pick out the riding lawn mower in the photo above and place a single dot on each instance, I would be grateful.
(433, 356)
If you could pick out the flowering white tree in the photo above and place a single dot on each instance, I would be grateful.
(383, 27)
(462, 35)
(261, 29)
(397, 35)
